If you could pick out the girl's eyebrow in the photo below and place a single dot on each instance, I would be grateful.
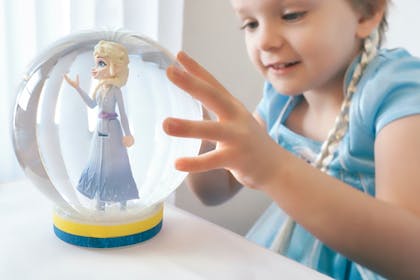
(294, 3)
(297, 1)
(281, 3)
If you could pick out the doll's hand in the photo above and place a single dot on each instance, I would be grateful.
(73, 83)
(128, 141)
(242, 146)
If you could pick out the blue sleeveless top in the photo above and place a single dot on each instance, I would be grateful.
(388, 90)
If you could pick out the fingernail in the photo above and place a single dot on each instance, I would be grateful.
(170, 125)
(183, 54)
(177, 71)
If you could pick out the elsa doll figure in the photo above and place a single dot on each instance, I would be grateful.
(107, 176)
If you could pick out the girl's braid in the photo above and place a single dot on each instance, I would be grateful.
(283, 237)
(337, 133)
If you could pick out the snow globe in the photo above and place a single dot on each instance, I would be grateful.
(87, 131)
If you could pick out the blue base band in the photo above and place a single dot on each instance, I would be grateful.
(112, 242)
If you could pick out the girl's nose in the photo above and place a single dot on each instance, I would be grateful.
(270, 37)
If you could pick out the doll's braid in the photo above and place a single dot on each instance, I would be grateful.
(337, 133)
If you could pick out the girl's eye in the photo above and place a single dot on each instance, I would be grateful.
(249, 25)
(293, 16)
(101, 64)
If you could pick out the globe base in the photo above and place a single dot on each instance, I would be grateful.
(80, 232)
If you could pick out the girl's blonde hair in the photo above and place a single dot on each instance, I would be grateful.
(368, 52)
(339, 130)
(117, 55)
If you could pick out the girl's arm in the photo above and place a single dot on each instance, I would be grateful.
(128, 139)
(381, 233)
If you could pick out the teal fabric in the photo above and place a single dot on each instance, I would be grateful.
(109, 242)
(389, 90)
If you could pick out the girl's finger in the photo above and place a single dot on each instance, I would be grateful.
(220, 102)
(204, 162)
(197, 70)
(206, 130)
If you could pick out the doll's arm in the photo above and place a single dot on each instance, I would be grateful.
(128, 139)
(76, 85)
(89, 101)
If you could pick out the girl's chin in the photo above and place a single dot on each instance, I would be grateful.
(286, 90)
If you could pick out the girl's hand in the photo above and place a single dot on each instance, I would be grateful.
(73, 83)
(128, 141)
(242, 145)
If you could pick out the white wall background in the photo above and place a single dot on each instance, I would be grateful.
(404, 22)
(211, 35)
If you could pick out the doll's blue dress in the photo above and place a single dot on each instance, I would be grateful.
(107, 177)
(388, 90)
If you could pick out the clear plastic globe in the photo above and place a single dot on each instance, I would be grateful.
(53, 127)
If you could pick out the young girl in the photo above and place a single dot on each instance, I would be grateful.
(107, 176)
(335, 140)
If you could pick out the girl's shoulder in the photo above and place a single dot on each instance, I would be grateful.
(388, 90)
(391, 67)
(397, 62)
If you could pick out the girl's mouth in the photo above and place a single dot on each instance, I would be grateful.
(280, 66)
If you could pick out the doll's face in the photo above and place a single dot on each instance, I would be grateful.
(101, 69)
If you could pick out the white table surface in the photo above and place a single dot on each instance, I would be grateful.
(187, 247)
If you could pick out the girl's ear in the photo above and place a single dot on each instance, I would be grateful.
(368, 23)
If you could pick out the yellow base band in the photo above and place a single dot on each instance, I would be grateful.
(108, 230)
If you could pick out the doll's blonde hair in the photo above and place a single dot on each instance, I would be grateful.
(117, 55)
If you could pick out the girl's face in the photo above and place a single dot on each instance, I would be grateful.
(101, 69)
(300, 45)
